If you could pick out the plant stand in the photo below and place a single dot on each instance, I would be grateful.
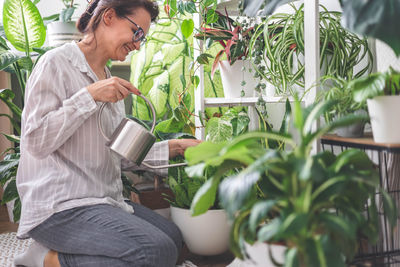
(386, 251)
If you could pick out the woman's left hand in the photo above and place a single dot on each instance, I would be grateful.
(177, 147)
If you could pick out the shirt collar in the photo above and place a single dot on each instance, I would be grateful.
(74, 54)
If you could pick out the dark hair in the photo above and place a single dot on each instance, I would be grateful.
(91, 18)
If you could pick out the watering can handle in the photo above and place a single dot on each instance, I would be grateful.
(100, 124)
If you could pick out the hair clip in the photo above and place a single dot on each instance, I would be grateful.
(90, 5)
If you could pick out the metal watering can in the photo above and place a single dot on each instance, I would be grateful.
(131, 140)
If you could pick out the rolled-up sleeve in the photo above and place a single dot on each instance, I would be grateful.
(158, 155)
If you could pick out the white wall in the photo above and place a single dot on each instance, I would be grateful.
(50, 7)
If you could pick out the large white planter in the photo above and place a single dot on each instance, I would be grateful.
(206, 234)
(259, 256)
(60, 33)
(232, 77)
(383, 111)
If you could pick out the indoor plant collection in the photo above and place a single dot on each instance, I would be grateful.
(311, 203)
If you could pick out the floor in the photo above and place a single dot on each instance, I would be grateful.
(201, 261)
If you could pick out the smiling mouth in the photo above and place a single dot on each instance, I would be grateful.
(127, 49)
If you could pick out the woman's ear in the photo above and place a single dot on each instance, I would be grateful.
(109, 16)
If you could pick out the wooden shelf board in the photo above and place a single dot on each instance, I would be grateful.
(366, 140)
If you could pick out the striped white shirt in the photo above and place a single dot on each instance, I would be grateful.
(64, 160)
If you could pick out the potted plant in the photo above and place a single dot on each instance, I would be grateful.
(234, 37)
(345, 104)
(279, 55)
(314, 204)
(372, 18)
(381, 91)
(208, 232)
(64, 30)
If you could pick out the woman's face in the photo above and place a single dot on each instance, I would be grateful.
(123, 33)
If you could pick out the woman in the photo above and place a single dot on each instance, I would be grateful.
(68, 179)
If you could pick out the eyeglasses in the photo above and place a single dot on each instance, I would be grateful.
(139, 34)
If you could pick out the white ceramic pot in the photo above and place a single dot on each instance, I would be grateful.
(232, 77)
(206, 234)
(259, 256)
(60, 33)
(383, 112)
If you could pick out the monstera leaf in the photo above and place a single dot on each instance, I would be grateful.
(23, 24)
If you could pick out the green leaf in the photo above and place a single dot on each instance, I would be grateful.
(353, 158)
(172, 52)
(12, 138)
(205, 197)
(374, 18)
(23, 24)
(181, 198)
(315, 255)
(190, 7)
(268, 231)
(259, 212)
(10, 192)
(187, 27)
(203, 58)
(219, 130)
(7, 58)
(368, 87)
(338, 225)
(3, 43)
(208, 3)
(158, 94)
(6, 95)
(140, 109)
(242, 122)
(291, 258)
(328, 189)
(315, 113)
(172, 7)
(196, 170)
(202, 152)
(212, 16)
(66, 14)
(173, 125)
(169, 136)
(17, 210)
(292, 224)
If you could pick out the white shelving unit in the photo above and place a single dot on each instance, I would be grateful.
(311, 29)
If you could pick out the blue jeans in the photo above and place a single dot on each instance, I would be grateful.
(104, 235)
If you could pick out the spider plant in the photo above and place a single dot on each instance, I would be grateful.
(283, 49)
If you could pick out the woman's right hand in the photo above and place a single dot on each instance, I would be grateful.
(112, 89)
